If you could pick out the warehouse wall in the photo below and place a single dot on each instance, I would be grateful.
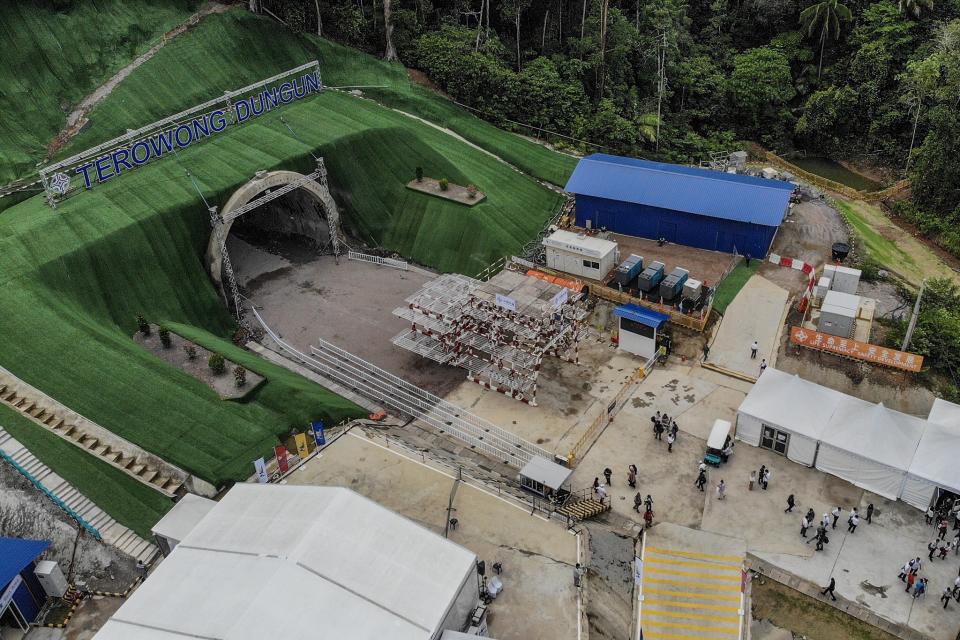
(676, 226)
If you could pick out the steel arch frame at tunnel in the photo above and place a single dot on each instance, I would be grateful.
(265, 187)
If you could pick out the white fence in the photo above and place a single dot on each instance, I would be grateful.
(386, 262)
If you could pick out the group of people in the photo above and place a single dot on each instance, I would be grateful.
(662, 423)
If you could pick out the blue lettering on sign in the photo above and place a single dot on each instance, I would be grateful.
(184, 134)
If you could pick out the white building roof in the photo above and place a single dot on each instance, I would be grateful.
(546, 472)
(945, 413)
(936, 456)
(267, 554)
(840, 303)
(184, 516)
(874, 432)
(789, 402)
(579, 243)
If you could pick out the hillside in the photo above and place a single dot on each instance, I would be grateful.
(77, 276)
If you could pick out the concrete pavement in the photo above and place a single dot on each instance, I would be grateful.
(756, 313)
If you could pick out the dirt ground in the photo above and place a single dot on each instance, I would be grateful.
(304, 297)
(707, 266)
(225, 384)
(807, 234)
(26, 513)
(804, 616)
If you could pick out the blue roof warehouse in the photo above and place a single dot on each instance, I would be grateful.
(684, 205)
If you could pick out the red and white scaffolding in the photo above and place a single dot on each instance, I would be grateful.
(498, 330)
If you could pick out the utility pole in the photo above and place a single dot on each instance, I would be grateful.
(913, 318)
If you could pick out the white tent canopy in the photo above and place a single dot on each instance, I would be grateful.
(936, 463)
(787, 403)
(870, 445)
(266, 556)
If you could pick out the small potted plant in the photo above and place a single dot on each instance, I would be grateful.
(240, 376)
(217, 364)
(164, 338)
(471, 191)
(444, 184)
(191, 351)
(419, 174)
(142, 325)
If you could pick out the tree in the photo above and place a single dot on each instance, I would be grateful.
(920, 80)
(390, 54)
(913, 7)
(935, 176)
(824, 17)
(761, 86)
(513, 11)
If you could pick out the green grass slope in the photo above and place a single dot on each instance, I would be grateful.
(131, 503)
(231, 50)
(52, 59)
(78, 275)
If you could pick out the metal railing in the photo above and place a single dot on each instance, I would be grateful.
(408, 399)
(386, 262)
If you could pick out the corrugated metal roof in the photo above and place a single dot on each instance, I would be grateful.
(546, 472)
(16, 554)
(642, 315)
(669, 186)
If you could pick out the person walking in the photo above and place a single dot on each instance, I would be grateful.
(601, 493)
(753, 350)
(647, 519)
(853, 522)
(701, 479)
(921, 588)
(632, 476)
(825, 520)
(721, 489)
(870, 513)
(753, 478)
(658, 431)
(932, 548)
(904, 570)
(811, 515)
(928, 516)
(674, 428)
(637, 501)
(578, 572)
(766, 479)
(942, 527)
(706, 352)
(141, 570)
(836, 516)
(763, 469)
(670, 439)
(655, 420)
(804, 525)
(608, 474)
(648, 504)
(956, 544)
(944, 550)
(790, 503)
(596, 485)
(763, 366)
(829, 589)
(947, 595)
(821, 536)
(911, 577)
(917, 566)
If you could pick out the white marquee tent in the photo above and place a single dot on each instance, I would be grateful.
(870, 445)
(936, 464)
(790, 404)
(324, 562)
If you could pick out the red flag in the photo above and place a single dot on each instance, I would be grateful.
(282, 463)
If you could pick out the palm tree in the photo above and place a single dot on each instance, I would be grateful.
(648, 127)
(824, 17)
(913, 6)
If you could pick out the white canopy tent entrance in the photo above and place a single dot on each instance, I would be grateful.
(935, 470)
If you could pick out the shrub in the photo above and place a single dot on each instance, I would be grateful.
(191, 351)
(444, 184)
(217, 364)
(164, 338)
(143, 325)
(240, 375)
(870, 270)
(471, 191)
(419, 174)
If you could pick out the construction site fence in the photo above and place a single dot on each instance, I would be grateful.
(696, 322)
(613, 407)
(386, 262)
(833, 185)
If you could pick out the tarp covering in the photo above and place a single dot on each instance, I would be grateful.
(701, 191)
(267, 556)
(935, 463)
(16, 554)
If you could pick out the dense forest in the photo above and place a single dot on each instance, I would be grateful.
(876, 82)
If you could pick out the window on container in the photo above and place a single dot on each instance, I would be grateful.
(591, 265)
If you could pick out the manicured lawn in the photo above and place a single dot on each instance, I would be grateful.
(131, 503)
(731, 285)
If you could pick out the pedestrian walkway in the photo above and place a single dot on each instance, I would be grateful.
(756, 313)
(691, 585)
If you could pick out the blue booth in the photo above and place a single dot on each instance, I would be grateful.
(21, 596)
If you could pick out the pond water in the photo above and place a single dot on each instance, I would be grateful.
(835, 171)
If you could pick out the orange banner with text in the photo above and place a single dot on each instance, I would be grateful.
(858, 350)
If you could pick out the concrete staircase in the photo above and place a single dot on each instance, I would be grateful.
(111, 531)
(691, 586)
(43, 412)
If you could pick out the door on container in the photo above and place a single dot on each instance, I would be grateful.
(774, 440)
(668, 231)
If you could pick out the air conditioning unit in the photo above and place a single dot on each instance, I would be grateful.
(51, 578)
